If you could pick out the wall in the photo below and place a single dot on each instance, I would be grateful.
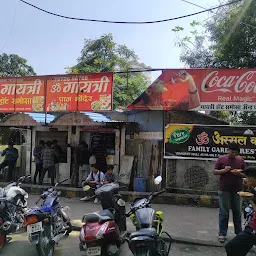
(148, 152)
(148, 158)
(149, 121)
(180, 174)
(191, 175)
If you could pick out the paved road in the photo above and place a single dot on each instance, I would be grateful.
(19, 246)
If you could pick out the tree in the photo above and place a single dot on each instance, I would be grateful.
(13, 65)
(104, 55)
(228, 41)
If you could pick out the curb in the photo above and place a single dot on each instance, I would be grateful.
(129, 196)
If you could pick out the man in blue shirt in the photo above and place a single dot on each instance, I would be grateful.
(11, 155)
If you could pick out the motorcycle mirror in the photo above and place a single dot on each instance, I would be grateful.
(158, 180)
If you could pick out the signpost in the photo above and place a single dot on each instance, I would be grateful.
(188, 141)
(85, 92)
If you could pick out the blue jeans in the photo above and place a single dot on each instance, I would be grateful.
(229, 200)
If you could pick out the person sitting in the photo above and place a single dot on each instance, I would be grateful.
(110, 176)
(94, 180)
(244, 241)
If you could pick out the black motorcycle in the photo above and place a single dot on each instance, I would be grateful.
(147, 240)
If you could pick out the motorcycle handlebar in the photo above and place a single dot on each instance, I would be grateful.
(38, 200)
(57, 184)
(160, 192)
(152, 195)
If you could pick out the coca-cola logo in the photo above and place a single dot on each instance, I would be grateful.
(215, 83)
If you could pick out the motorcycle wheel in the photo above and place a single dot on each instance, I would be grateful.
(43, 247)
(2, 237)
(142, 252)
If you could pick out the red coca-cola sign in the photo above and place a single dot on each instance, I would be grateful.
(202, 89)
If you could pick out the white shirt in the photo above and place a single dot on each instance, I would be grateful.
(95, 177)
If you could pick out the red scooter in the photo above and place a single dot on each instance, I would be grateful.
(103, 232)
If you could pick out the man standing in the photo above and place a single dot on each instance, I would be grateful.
(82, 159)
(58, 154)
(48, 156)
(11, 155)
(38, 159)
(230, 183)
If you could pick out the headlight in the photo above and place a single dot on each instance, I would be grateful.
(121, 202)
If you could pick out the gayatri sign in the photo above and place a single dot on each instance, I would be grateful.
(208, 142)
(84, 92)
(202, 89)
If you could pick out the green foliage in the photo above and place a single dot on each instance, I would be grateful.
(13, 65)
(104, 55)
(247, 118)
(228, 40)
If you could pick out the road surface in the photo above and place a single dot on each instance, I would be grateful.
(19, 246)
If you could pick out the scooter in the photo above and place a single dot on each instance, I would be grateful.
(48, 223)
(147, 240)
(103, 232)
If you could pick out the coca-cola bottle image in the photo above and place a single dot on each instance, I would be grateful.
(180, 77)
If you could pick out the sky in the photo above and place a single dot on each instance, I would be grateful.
(50, 44)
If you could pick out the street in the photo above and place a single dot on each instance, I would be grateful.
(20, 246)
(186, 226)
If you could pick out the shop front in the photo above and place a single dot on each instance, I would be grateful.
(50, 133)
(101, 133)
(18, 128)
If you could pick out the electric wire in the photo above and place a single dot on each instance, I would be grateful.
(129, 22)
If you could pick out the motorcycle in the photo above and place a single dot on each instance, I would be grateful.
(47, 224)
(13, 204)
(147, 239)
(103, 232)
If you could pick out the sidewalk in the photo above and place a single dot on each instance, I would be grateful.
(194, 225)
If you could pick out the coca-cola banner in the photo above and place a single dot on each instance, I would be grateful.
(202, 89)
(83, 92)
(203, 142)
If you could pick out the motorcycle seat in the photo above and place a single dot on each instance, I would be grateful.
(150, 232)
(102, 216)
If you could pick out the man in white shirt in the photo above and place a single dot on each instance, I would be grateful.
(95, 180)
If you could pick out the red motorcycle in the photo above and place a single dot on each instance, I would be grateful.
(103, 232)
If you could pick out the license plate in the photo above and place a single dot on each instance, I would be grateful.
(33, 228)
(94, 251)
